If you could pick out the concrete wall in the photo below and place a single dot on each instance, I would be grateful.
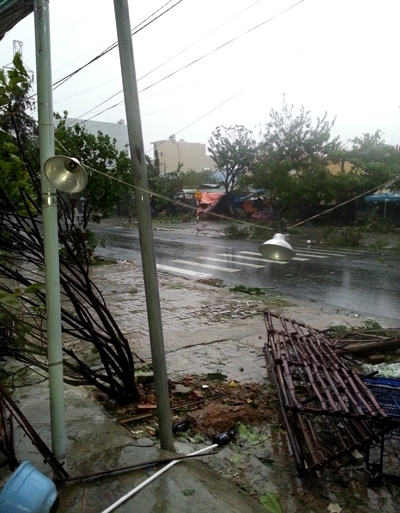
(191, 155)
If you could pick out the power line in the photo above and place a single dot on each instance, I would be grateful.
(222, 46)
(179, 53)
(198, 119)
(202, 57)
(198, 40)
(114, 45)
(194, 209)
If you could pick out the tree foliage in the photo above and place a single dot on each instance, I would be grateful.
(167, 189)
(233, 150)
(17, 128)
(292, 161)
(84, 313)
(98, 153)
(15, 102)
(193, 179)
(370, 155)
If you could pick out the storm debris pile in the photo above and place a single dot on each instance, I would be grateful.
(202, 405)
(327, 409)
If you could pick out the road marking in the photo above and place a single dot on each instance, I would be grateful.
(342, 251)
(279, 262)
(217, 267)
(254, 258)
(232, 262)
(321, 252)
(266, 260)
(182, 271)
(312, 255)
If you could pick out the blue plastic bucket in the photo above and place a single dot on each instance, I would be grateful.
(27, 490)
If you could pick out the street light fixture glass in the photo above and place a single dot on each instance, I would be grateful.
(277, 248)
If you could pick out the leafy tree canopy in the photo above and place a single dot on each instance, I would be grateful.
(15, 102)
(16, 126)
(374, 157)
(104, 189)
(167, 188)
(192, 179)
(233, 150)
(292, 160)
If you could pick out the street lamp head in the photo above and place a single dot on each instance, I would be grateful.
(66, 174)
(277, 248)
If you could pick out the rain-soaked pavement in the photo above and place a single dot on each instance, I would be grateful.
(359, 281)
(206, 329)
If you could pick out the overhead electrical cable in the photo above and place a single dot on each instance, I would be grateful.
(203, 56)
(221, 216)
(198, 40)
(222, 46)
(179, 53)
(115, 45)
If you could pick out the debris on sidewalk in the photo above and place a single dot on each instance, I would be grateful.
(328, 410)
(210, 405)
(364, 340)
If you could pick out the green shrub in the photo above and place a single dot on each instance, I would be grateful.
(378, 225)
(348, 237)
(233, 232)
(261, 232)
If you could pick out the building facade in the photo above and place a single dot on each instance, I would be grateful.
(117, 131)
(192, 156)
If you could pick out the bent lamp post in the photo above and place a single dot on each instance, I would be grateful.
(277, 248)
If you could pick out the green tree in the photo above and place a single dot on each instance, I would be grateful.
(17, 128)
(193, 179)
(167, 189)
(292, 161)
(14, 177)
(233, 150)
(84, 312)
(99, 153)
(16, 102)
(371, 156)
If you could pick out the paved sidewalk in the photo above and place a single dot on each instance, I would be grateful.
(206, 330)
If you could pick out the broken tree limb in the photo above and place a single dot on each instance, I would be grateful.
(365, 347)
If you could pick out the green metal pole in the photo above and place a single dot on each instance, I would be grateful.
(144, 221)
(50, 230)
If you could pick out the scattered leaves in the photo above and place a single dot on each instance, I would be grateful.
(270, 501)
(188, 492)
(334, 508)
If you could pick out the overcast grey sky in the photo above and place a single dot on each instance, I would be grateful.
(339, 56)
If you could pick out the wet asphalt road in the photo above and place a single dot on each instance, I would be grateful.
(359, 282)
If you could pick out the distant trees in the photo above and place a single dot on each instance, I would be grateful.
(291, 161)
(379, 161)
(233, 150)
(192, 179)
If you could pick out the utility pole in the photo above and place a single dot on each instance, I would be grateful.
(138, 163)
(50, 231)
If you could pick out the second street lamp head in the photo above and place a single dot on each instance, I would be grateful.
(277, 248)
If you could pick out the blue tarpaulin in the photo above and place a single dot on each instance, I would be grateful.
(383, 197)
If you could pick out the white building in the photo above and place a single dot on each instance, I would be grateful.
(117, 131)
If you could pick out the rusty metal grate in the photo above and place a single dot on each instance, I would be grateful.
(327, 409)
